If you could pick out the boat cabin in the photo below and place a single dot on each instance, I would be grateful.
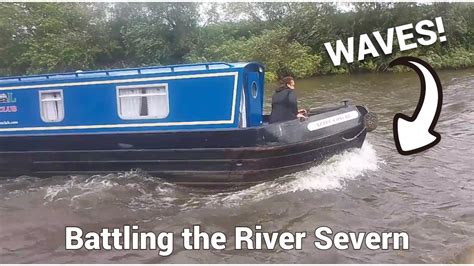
(179, 97)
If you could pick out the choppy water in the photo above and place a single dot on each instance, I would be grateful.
(429, 195)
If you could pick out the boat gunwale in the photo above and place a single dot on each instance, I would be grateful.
(236, 149)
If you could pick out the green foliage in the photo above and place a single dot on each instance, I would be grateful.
(45, 38)
(281, 55)
(159, 33)
(287, 37)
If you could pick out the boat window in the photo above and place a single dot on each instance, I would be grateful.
(148, 101)
(254, 90)
(52, 106)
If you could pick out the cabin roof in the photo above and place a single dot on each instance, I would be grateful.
(124, 72)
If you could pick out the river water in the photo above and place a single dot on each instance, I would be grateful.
(428, 195)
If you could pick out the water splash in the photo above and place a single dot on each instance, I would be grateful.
(136, 191)
(331, 174)
(78, 187)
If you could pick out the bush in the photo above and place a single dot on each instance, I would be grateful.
(281, 55)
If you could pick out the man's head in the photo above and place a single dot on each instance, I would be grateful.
(289, 82)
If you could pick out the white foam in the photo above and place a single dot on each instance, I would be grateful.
(76, 188)
(83, 191)
(331, 174)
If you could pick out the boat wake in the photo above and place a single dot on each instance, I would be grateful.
(331, 174)
(136, 191)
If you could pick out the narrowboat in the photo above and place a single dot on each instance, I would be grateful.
(197, 124)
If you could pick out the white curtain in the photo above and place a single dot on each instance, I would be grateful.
(243, 111)
(52, 107)
(157, 104)
(130, 105)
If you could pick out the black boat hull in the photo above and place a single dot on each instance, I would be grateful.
(205, 158)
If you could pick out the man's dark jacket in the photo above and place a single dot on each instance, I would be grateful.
(284, 105)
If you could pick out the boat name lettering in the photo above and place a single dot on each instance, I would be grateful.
(7, 98)
(8, 109)
(333, 120)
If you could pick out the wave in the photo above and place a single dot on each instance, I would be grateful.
(135, 190)
(331, 174)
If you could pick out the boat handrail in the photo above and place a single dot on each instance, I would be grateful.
(112, 72)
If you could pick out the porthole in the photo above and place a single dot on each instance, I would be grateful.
(254, 90)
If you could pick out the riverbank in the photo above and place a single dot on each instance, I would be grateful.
(456, 59)
(38, 38)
